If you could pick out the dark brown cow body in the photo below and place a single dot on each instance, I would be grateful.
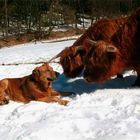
(72, 57)
(106, 58)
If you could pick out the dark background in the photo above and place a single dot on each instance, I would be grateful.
(41, 16)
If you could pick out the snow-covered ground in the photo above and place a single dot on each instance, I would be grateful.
(108, 111)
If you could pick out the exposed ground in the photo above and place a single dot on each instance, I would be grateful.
(32, 37)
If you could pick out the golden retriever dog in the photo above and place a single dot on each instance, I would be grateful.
(36, 86)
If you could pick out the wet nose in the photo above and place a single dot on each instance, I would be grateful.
(57, 74)
(85, 74)
(87, 79)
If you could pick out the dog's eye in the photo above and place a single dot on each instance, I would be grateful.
(36, 72)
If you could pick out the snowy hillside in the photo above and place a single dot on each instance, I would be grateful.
(108, 111)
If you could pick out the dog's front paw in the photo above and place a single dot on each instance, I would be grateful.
(4, 101)
(64, 102)
(67, 93)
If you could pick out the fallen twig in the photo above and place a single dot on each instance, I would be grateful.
(29, 63)
(61, 39)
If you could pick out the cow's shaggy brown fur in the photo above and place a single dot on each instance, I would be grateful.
(95, 63)
(72, 58)
(120, 53)
(36, 86)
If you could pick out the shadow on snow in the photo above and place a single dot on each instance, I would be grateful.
(80, 86)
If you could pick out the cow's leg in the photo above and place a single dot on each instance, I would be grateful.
(3, 97)
(119, 75)
(137, 82)
(53, 99)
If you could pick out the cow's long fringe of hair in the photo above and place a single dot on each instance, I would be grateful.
(126, 39)
(110, 68)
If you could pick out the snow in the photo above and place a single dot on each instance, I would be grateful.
(108, 111)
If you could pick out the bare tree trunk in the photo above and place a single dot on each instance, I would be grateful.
(6, 19)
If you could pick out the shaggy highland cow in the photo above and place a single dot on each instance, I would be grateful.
(106, 58)
(72, 57)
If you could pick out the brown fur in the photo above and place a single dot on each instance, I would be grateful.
(126, 42)
(71, 62)
(95, 65)
(72, 58)
(36, 86)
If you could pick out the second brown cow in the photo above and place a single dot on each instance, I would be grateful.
(106, 58)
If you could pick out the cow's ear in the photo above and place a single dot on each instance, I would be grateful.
(35, 73)
(111, 49)
(92, 42)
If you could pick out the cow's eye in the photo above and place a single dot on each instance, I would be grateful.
(111, 56)
(66, 59)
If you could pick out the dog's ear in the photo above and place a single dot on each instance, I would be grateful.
(35, 73)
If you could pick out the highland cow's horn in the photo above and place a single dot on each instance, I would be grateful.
(111, 49)
(80, 48)
(92, 42)
(56, 56)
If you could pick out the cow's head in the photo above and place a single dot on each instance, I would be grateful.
(72, 61)
(101, 62)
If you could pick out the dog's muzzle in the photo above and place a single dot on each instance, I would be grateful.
(57, 74)
(51, 79)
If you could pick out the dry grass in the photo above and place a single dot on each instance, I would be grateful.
(28, 37)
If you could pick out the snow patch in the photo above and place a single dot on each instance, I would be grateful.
(108, 111)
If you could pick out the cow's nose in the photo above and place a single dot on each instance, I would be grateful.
(57, 74)
(86, 78)
(85, 74)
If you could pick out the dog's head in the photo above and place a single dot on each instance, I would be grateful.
(44, 75)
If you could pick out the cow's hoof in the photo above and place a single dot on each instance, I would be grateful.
(119, 76)
(136, 85)
(137, 82)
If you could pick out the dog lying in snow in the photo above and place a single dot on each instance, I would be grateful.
(36, 86)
